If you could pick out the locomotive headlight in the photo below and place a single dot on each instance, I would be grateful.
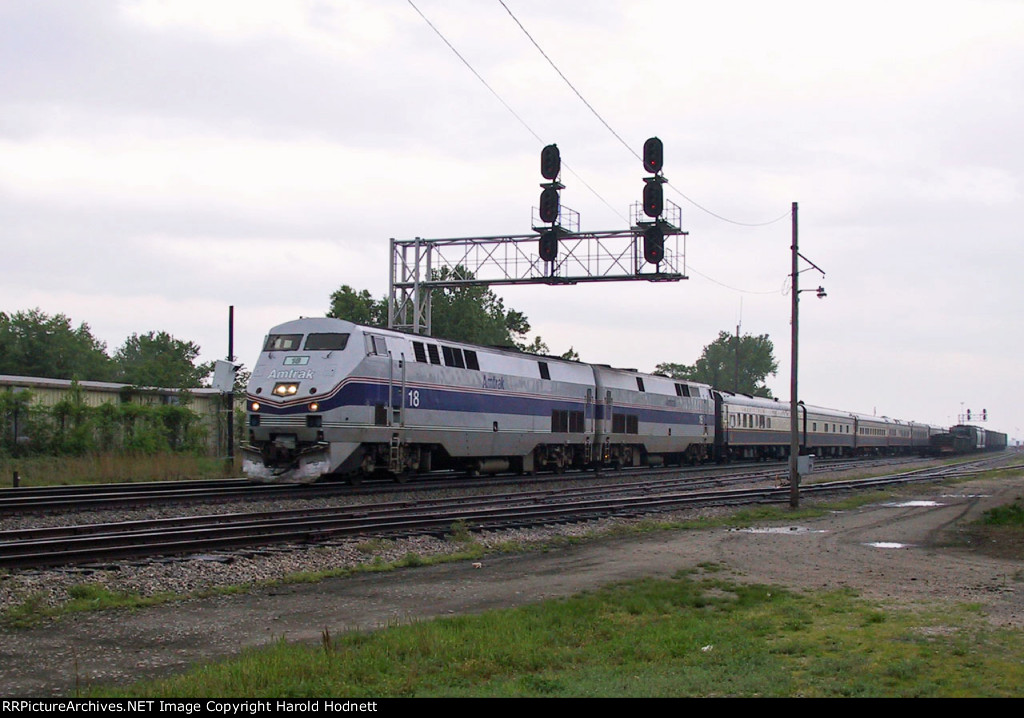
(314, 407)
(286, 389)
(255, 406)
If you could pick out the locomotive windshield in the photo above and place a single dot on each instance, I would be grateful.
(326, 342)
(282, 342)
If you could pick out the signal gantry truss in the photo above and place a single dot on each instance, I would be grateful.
(420, 265)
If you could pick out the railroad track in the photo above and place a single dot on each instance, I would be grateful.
(52, 499)
(97, 543)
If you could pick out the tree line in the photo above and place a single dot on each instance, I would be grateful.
(33, 343)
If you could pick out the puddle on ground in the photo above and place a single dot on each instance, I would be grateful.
(887, 544)
(781, 530)
(908, 504)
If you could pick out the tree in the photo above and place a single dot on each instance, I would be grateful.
(463, 313)
(731, 363)
(33, 343)
(158, 359)
(358, 307)
(474, 314)
(675, 371)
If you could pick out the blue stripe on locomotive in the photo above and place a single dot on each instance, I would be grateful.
(369, 393)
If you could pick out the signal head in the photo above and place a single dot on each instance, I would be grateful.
(549, 205)
(654, 244)
(654, 199)
(549, 246)
(654, 155)
(550, 162)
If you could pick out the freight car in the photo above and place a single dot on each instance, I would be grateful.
(967, 439)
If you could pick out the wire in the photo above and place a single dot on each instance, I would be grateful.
(473, 70)
(690, 268)
(566, 79)
(509, 108)
(619, 138)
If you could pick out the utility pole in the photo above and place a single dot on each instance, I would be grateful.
(231, 392)
(794, 404)
(794, 428)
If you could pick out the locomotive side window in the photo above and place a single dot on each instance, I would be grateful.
(326, 342)
(544, 373)
(471, 361)
(435, 358)
(625, 424)
(640, 383)
(453, 357)
(563, 421)
(420, 351)
(282, 342)
(559, 421)
(575, 422)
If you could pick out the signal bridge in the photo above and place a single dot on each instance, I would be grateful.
(421, 265)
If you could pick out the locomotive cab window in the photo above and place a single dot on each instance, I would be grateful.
(326, 342)
(376, 345)
(453, 357)
(282, 343)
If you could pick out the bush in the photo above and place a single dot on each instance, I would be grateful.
(72, 428)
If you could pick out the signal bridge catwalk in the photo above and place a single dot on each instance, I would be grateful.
(421, 265)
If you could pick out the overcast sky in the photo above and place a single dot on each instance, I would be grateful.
(162, 160)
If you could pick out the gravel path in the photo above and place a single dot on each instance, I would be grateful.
(907, 552)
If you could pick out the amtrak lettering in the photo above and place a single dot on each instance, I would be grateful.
(291, 374)
(494, 382)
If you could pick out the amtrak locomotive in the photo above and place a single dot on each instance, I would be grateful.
(329, 397)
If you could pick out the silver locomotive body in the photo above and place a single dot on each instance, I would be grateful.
(331, 397)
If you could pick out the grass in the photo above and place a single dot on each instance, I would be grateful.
(694, 635)
(81, 597)
(1008, 515)
(114, 468)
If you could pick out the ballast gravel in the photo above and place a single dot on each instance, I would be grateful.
(200, 574)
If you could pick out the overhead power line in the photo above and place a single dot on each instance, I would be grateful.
(509, 107)
(619, 137)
